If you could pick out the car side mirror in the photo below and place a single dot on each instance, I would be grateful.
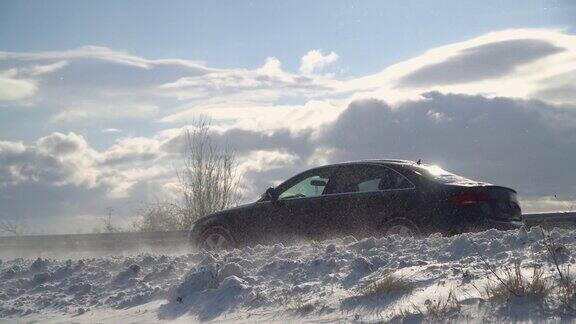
(271, 194)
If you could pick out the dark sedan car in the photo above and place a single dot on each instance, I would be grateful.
(374, 197)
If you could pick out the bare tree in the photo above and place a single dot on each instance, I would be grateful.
(208, 179)
(208, 183)
(12, 227)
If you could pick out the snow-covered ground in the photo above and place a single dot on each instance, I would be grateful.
(311, 281)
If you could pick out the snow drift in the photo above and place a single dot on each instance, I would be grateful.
(374, 279)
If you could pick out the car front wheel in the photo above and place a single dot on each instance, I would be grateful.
(401, 227)
(216, 239)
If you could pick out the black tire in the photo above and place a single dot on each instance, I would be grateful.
(401, 226)
(216, 238)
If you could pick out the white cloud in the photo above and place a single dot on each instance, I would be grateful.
(36, 70)
(254, 167)
(15, 89)
(514, 142)
(95, 110)
(90, 82)
(99, 53)
(268, 82)
(296, 118)
(539, 64)
(58, 159)
(492, 60)
(143, 182)
(67, 159)
(513, 63)
(132, 150)
(111, 130)
(281, 122)
(314, 60)
(58, 144)
(549, 204)
(272, 67)
(260, 160)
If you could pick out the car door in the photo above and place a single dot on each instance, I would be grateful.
(343, 201)
(364, 196)
(294, 215)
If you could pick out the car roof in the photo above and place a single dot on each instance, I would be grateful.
(367, 161)
(374, 161)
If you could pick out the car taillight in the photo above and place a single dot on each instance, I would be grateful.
(471, 198)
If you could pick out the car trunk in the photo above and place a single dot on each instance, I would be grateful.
(495, 202)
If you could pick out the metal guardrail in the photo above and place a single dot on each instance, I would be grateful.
(86, 244)
(555, 219)
(166, 242)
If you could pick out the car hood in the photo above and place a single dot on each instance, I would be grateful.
(221, 213)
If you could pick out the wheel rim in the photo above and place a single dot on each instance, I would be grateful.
(401, 230)
(215, 241)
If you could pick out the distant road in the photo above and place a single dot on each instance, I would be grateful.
(80, 245)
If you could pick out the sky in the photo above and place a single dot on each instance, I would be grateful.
(94, 96)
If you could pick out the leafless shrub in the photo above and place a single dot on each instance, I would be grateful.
(567, 294)
(565, 285)
(388, 284)
(159, 217)
(208, 179)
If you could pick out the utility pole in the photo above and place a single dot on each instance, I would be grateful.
(108, 227)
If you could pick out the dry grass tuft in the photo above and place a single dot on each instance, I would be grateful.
(443, 307)
(567, 295)
(565, 284)
(437, 310)
(305, 307)
(389, 284)
(513, 283)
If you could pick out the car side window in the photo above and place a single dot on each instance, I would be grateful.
(366, 178)
(390, 179)
(312, 185)
(369, 185)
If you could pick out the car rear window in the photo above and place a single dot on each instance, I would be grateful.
(438, 174)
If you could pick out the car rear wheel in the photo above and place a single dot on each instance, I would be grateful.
(216, 239)
(401, 227)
